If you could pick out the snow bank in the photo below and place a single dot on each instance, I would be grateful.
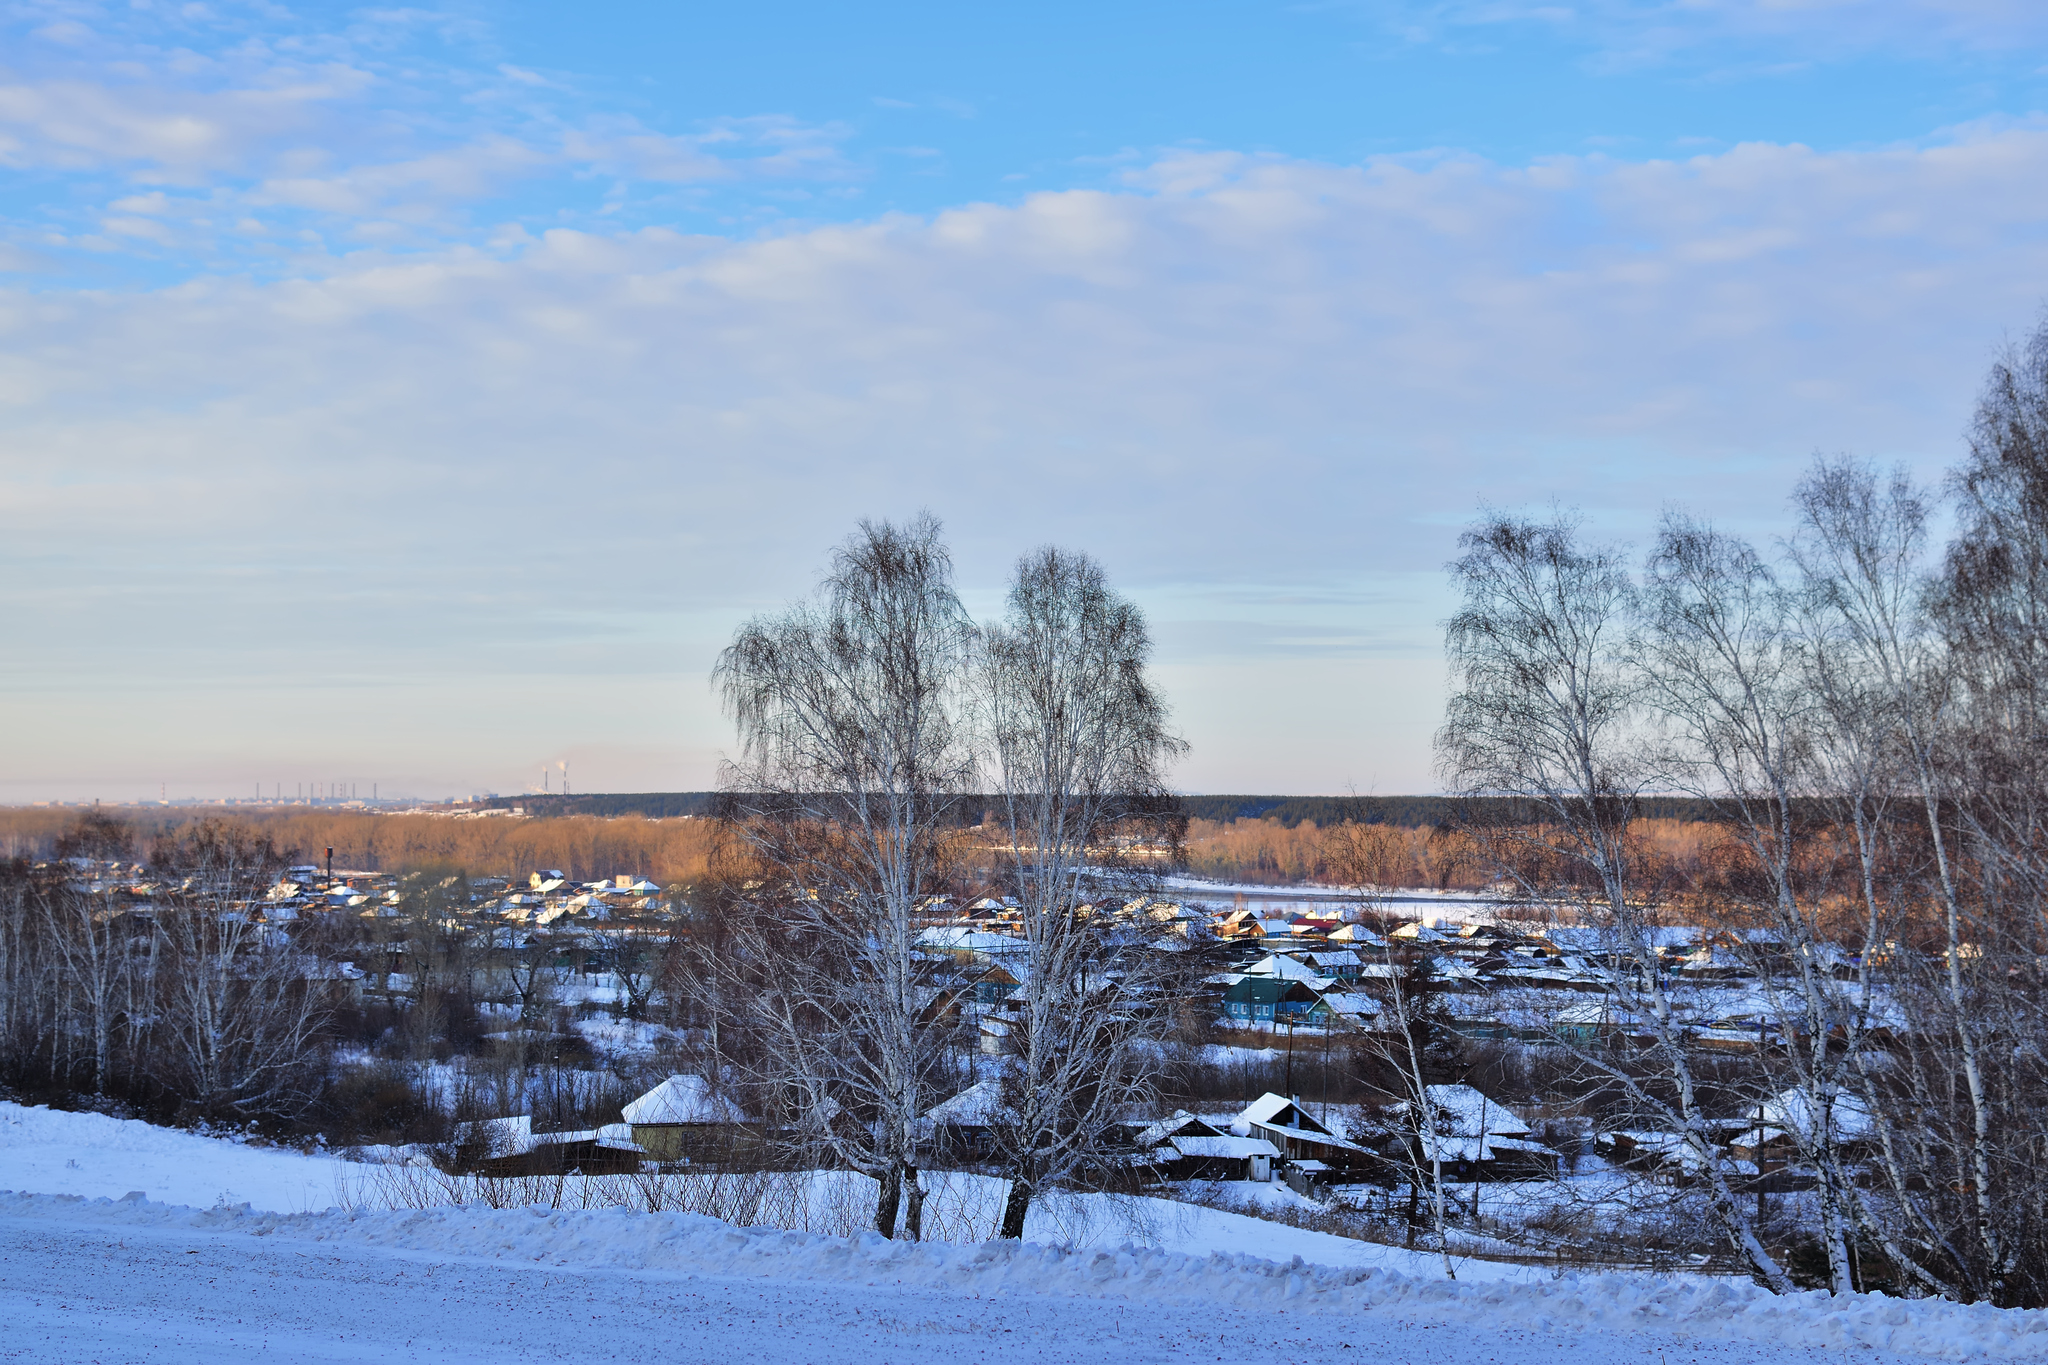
(49, 1151)
(82, 1163)
(692, 1245)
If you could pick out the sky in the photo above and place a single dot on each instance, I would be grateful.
(421, 397)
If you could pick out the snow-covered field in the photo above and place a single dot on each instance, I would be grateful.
(87, 1275)
(53, 1152)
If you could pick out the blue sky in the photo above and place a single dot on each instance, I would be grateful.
(420, 396)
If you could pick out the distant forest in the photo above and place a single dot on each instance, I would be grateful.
(668, 835)
(1405, 812)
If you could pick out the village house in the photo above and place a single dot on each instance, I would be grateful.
(971, 1125)
(683, 1120)
(1475, 1138)
(1185, 1147)
(1302, 1141)
(1269, 1001)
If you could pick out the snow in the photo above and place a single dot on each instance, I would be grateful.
(54, 1152)
(1791, 1110)
(683, 1099)
(107, 1280)
(978, 1105)
(1231, 1147)
(1461, 1110)
(111, 1279)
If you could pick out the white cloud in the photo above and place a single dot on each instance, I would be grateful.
(761, 148)
(179, 135)
(570, 462)
(459, 175)
(367, 131)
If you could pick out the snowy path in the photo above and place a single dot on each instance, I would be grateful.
(85, 1289)
(106, 1281)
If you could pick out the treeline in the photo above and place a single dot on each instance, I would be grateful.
(583, 846)
(1407, 812)
(676, 851)
(1443, 856)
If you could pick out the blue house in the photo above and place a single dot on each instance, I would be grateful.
(1265, 1000)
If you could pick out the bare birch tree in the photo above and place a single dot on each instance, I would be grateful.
(1544, 712)
(1077, 746)
(242, 1018)
(1986, 798)
(1724, 663)
(1858, 551)
(853, 763)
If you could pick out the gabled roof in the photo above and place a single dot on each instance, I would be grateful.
(978, 1106)
(1464, 1112)
(684, 1099)
(1182, 1124)
(1277, 1111)
(1265, 1108)
(1282, 967)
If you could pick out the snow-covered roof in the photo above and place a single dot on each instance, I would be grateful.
(1592, 938)
(1282, 968)
(614, 1135)
(684, 1099)
(1792, 1110)
(1166, 1128)
(978, 1106)
(964, 938)
(1463, 1111)
(1233, 1147)
(1508, 1144)
(1264, 1108)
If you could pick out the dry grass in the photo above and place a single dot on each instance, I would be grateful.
(959, 1206)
